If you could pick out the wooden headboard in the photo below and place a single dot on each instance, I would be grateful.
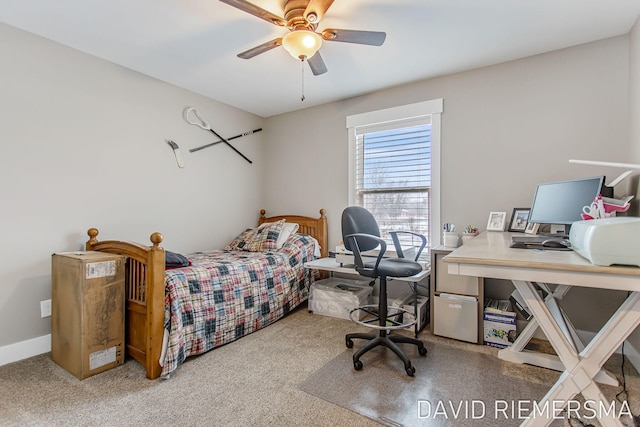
(315, 227)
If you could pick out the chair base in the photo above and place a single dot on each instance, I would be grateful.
(386, 340)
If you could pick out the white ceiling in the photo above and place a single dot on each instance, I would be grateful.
(193, 43)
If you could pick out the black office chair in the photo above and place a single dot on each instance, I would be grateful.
(360, 233)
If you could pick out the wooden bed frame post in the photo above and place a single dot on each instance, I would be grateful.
(323, 232)
(144, 293)
(155, 307)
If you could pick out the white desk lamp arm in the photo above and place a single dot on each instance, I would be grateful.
(611, 164)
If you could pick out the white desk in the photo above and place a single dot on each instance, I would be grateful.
(489, 255)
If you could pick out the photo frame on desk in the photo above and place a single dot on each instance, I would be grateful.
(532, 228)
(519, 219)
(496, 221)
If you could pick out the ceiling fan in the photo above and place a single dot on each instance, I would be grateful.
(301, 17)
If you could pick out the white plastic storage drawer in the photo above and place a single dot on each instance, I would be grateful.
(453, 283)
(456, 317)
(336, 297)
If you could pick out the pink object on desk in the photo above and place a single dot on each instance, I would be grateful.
(608, 207)
(603, 207)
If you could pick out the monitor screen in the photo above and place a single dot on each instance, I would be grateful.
(562, 202)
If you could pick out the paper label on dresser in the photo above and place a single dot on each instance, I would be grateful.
(102, 357)
(101, 269)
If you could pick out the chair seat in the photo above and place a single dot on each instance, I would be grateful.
(396, 267)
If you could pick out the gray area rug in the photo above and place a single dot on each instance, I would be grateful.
(452, 386)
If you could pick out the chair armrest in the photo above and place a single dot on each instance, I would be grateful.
(353, 243)
(396, 242)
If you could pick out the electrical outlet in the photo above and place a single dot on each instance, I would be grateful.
(45, 308)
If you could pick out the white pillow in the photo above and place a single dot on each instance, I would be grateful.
(288, 229)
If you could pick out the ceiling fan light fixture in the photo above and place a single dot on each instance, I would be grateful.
(302, 44)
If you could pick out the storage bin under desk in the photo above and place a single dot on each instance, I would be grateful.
(457, 317)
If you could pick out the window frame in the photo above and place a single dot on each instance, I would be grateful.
(432, 108)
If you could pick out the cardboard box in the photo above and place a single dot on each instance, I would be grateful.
(87, 311)
(499, 328)
(336, 297)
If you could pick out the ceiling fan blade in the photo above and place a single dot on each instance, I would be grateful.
(316, 9)
(372, 38)
(248, 54)
(317, 64)
(256, 11)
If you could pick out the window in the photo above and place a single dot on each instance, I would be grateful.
(393, 176)
(392, 168)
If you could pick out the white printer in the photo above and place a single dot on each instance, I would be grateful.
(607, 241)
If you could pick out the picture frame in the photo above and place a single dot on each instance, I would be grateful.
(519, 219)
(532, 228)
(496, 221)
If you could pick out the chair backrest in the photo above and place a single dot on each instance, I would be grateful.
(356, 219)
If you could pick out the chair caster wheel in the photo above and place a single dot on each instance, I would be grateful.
(410, 371)
(349, 343)
(357, 365)
(422, 351)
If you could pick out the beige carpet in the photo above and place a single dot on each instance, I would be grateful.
(255, 381)
(250, 382)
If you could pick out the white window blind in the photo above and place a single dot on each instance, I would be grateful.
(393, 175)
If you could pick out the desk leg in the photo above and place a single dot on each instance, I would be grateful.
(581, 369)
(517, 353)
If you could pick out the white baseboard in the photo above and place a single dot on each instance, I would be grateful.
(25, 349)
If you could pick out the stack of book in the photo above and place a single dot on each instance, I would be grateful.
(499, 323)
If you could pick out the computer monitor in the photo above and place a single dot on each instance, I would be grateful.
(562, 202)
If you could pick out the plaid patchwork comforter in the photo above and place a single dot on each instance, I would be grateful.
(225, 295)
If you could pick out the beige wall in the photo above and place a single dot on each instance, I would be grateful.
(634, 111)
(505, 128)
(84, 146)
(634, 90)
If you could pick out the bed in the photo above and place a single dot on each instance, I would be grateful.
(220, 296)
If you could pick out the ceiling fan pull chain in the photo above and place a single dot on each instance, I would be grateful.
(302, 98)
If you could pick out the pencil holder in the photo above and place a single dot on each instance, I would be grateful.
(451, 239)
